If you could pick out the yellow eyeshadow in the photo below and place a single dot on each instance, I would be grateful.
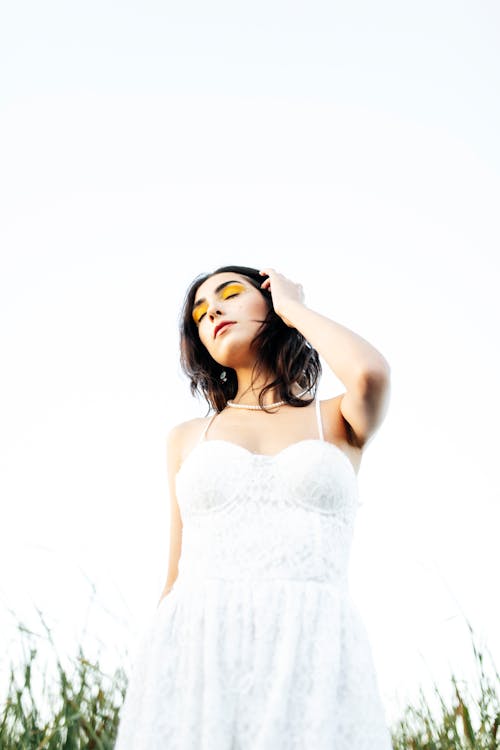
(231, 289)
(199, 312)
(226, 292)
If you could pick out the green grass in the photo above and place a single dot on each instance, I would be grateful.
(83, 712)
(467, 720)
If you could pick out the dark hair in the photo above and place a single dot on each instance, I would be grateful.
(282, 350)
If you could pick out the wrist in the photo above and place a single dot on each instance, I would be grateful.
(291, 309)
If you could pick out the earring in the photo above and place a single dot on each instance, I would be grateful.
(223, 376)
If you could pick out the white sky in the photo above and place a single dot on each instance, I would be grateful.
(355, 149)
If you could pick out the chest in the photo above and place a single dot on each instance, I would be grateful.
(311, 474)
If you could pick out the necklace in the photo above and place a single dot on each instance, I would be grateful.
(257, 406)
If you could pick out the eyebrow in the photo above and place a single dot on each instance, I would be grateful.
(217, 290)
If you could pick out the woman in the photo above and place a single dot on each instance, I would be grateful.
(256, 644)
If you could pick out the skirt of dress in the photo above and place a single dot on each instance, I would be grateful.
(254, 665)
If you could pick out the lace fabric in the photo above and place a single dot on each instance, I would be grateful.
(258, 646)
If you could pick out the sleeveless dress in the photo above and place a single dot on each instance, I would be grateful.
(258, 645)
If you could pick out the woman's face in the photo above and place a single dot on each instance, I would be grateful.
(225, 297)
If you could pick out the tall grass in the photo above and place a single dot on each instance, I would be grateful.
(465, 721)
(84, 711)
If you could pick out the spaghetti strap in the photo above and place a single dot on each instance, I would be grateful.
(202, 436)
(320, 425)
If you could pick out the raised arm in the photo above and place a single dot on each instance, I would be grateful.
(359, 365)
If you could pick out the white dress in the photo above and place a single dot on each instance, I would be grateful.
(258, 645)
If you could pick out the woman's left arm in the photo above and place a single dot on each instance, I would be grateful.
(363, 370)
(353, 360)
(359, 365)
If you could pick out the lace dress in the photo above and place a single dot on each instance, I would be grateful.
(258, 645)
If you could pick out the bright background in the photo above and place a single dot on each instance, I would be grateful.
(352, 147)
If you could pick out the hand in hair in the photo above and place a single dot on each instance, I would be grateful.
(283, 291)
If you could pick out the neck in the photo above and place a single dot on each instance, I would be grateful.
(248, 392)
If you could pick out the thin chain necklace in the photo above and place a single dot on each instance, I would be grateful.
(257, 406)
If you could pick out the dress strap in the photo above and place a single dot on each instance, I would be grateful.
(318, 415)
(202, 436)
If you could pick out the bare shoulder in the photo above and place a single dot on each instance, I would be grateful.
(182, 437)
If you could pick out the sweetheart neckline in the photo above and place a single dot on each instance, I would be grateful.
(337, 449)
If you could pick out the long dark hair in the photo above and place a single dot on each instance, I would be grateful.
(282, 350)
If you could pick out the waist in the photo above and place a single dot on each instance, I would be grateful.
(243, 583)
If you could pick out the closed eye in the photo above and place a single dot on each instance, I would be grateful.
(235, 294)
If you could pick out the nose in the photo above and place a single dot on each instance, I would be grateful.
(213, 309)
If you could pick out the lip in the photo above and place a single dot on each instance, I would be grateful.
(224, 324)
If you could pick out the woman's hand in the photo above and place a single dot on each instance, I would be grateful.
(282, 291)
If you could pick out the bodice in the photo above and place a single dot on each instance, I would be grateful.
(248, 515)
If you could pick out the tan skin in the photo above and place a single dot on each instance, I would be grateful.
(255, 430)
